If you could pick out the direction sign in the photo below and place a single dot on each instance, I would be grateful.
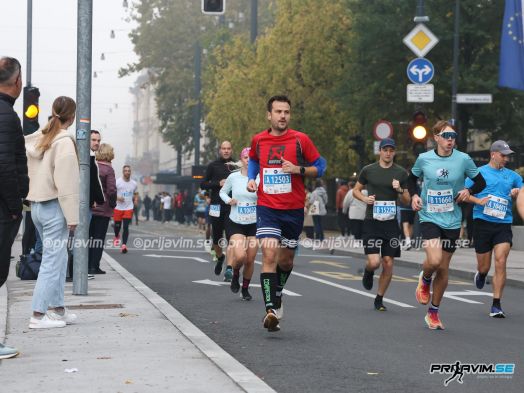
(474, 98)
(420, 93)
(382, 129)
(420, 70)
(420, 40)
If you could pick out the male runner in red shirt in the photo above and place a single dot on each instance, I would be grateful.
(282, 157)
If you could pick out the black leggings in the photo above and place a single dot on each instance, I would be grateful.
(125, 232)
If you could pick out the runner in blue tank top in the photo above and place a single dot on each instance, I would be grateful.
(443, 171)
(493, 217)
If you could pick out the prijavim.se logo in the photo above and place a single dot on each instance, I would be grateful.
(457, 370)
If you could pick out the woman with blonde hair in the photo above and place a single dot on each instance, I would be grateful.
(53, 191)
(102, 213)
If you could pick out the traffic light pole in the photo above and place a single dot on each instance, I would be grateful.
(254, 20)
(197, 114)
(454, 77)
(29, 56)
(83, 131)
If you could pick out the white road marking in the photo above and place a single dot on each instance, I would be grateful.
(457, 295)
(201, 260)
(345, 288)
(221, 283)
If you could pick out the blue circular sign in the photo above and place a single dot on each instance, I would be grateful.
(420, 71)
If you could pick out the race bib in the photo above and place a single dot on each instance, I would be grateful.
(214, 210)
(276, 181)
(384, 210)
(247, 212)
(439, 201)
(496, 207)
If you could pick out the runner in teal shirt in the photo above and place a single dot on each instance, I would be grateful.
(493, 217)
(443, 171)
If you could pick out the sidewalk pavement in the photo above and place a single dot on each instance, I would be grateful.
(127, 339)
(463, 264)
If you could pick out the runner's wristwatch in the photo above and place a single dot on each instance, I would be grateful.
(302, 170)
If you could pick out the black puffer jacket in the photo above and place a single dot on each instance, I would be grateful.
(14, 182)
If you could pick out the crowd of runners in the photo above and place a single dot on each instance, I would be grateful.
(260, 201)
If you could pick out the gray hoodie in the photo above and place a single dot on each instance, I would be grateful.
(319, 194)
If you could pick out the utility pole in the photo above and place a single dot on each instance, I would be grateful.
(29, 56)
(197, 114)
(254, 20)
(454, 80)
(83, 131)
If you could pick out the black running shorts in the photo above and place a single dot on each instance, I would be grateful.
(448, 237)
(381, 237)
(487, 235)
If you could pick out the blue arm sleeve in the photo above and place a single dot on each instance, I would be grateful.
(253, 169)
(321, 164)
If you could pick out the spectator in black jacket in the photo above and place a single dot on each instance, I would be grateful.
(13, 169)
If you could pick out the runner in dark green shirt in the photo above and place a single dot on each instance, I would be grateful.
(386, 182)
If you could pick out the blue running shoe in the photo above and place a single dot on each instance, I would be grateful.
(497, 312)
(228, 274)
(479, 280)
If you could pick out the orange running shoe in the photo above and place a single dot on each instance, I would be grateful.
(433, 321)
(422, 292)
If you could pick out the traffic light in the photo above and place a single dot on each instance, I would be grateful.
(213, 7)
(358, 144)
(418, 132)
(31, 110)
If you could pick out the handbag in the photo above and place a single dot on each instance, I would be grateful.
(28, 267)
(314, 208)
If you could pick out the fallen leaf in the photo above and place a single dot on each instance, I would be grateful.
(104, 357)
(129, 382)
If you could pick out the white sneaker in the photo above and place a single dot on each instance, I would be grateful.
(279, 312)
(68, 318)
(45, 323)
(207, 246)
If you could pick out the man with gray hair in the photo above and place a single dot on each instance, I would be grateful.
(13, 169)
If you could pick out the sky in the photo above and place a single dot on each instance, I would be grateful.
(54, 61)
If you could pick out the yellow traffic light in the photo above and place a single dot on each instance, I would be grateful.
(420, 133)
(32, 111)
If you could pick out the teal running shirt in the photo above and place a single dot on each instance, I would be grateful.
(499, 183)
(443, 178)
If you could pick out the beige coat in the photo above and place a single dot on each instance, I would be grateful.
(54, 174)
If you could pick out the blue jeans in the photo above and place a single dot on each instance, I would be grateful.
(319, 232)
(52, 227)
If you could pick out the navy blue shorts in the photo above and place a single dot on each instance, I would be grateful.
(284, 225)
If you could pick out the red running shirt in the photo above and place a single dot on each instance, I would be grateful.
(278, 190)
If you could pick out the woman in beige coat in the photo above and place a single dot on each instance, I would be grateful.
(53, 191)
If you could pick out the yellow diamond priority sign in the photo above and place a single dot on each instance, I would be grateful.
(420, 40)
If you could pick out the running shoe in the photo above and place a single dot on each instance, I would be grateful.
(228, 274)
(218, 266)
(497, 312)
(433, 321)
(116, 241)
(279, 312)
(422, 292)
(271, 321)
(235, 285)
(379, 306)
(367, 279)
(123, 249)
(479, 280)
(245, 295)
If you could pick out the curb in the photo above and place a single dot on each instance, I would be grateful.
(465, 275)
(235, 370)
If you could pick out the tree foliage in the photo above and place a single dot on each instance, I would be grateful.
(342, 63)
